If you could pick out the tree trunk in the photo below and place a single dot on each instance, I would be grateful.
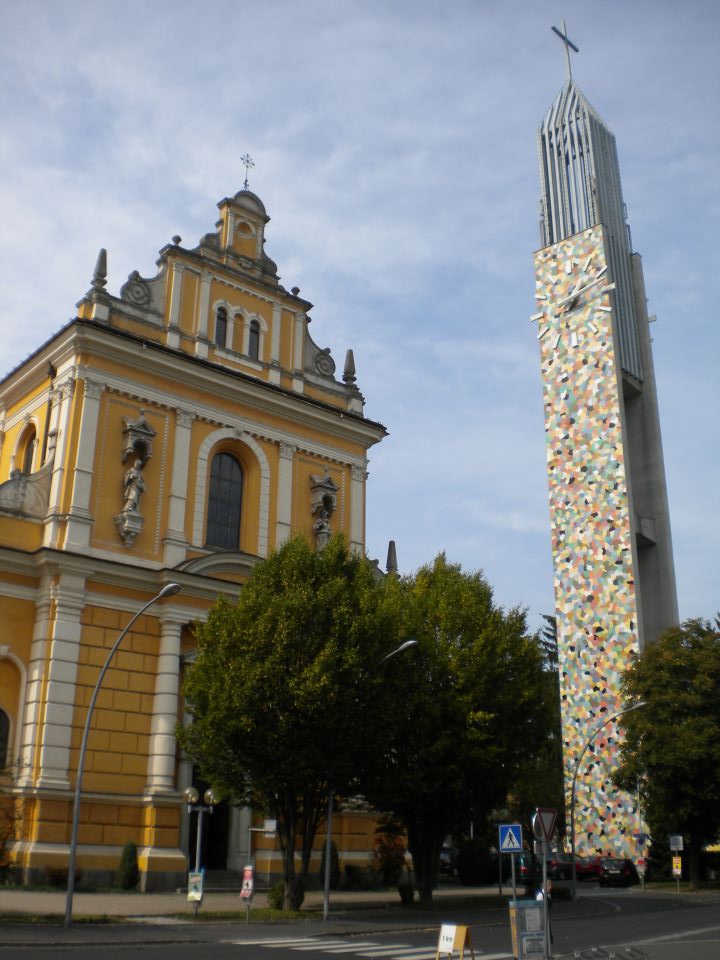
(426, 861)
(694, 848)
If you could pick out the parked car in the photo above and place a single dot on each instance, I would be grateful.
(587, 868)
(560, 866)
(528, 869)
(448, 861)
(617, 872)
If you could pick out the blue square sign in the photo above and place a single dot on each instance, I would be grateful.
(510, 838)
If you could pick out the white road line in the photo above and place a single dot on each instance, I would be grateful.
(324, 945)
(684, 933)
(400, 950)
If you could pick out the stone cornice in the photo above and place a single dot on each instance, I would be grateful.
(202, 375)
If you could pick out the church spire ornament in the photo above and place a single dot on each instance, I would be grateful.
(247, 161)
(569, 45)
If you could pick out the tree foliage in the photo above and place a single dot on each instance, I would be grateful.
(470, 709)
(280, 686)
(672, 745)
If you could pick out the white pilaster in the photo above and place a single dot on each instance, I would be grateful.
(298, 350)
(33, 698)
(274, 372)
(175, 542)
(80, 520)
(60, 422)
(284, 493)
(161, 761)
(357, 508)
(54, 756)
(201, 343)
(173, 330)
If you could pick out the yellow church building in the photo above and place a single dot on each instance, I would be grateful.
(177, 432)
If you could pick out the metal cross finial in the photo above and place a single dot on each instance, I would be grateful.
(247, 162)
(568, 45)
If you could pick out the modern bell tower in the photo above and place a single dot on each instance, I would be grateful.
(614, 576)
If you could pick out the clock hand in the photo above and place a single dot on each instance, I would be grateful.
(575, 293)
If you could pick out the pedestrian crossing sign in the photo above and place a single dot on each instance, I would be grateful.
(510, 838)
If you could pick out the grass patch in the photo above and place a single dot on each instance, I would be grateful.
(257, 915)
(47, 919)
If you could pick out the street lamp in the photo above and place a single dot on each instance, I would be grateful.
(209, 800)
(169, 590)
(596, 731)
(328, 828)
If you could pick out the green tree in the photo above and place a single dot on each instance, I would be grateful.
(277, 690)
(469, 709)
(540, 781)
(672, 745)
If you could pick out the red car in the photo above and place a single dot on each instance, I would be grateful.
(587, 868)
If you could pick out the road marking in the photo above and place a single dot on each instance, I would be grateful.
(373, 950)
(684, 933)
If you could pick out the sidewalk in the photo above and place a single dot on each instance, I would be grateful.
(144, 919)
(121, 904)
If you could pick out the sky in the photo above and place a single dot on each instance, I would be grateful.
(395, 150)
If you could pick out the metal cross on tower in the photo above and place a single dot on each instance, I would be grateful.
(568, 45)
(247, 162)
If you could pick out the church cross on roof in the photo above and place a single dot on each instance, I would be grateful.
(567, 42)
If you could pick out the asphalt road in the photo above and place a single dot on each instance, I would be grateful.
(654, 927)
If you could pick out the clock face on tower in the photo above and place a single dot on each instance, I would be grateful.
(572, 293)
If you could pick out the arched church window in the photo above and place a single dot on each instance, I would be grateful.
(254, 340)
(221, 323)
(224, 502)
(4, 739)
(28, 451)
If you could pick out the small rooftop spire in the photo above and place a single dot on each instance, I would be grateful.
(247, 161)
(392, 565)
(349, 370)
(568, 46)
(99, 278)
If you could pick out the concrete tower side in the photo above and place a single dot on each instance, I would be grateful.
(611, 543)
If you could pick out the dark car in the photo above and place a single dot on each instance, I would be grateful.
(559, 866)
(448, 860)
(615, 872)
(587, 868)
(528, 869)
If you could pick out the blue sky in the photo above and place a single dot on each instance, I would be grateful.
(394, 145)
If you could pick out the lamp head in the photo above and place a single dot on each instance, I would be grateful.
(191, 795)
(169, 590)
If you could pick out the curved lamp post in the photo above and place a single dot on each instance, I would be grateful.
(167, 591)
(331, 796)
(596, 731)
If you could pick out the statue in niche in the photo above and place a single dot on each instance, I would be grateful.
(134, 487)
(129, 521)
(323, 502)
(321, 526)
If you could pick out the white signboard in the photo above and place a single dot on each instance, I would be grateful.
(446, 941)
(676, 841)
(195, 887)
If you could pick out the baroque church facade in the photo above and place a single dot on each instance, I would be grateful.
(177, 432)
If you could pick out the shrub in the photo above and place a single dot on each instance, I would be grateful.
(8, 834)
(128, 873)
(389, 852)
(334, 866)
(276, 895)
(58, 877)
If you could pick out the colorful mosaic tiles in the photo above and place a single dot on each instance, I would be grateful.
(593, 552)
